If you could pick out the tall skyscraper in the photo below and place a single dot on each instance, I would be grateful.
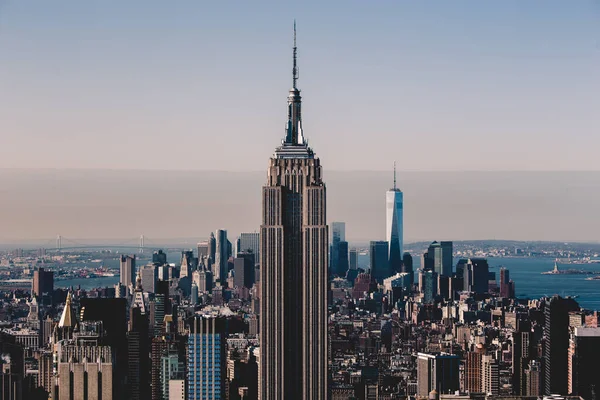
(380, 267)
(338, 235)
(342, 261)
(437, 371)
(250, 241)
(584, 353)
(533, 379)
(127, 270)
(476, 275)
(353, 258)
(438, 258)
(428, 285)
(220, 267)
(490, 378)
(407, 266)
(43, 285)
(206, 358)
(556, 343)
(394, 232)
(243, 269)
(212, 250)
(507, 287)
(293, 269)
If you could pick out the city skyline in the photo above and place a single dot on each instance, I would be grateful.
(493, 81)
(270, 301)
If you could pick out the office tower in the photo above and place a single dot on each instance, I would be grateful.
(45, 367)
(128, 271)
(447, 260)
(437, 372)
(149, 274)
(338, 234)
(521, 349)
(243, 268)
(556, 343)
(204, 281)
(112, 313)
(188, 264)
(220, 268)
(396, 286)
(85, 372)
(212, 249)
(490, 378)
(11, 374)
(584, 353)
(294, 259)
(159, 257)
(533, 379)
(203, 251)
(472, 370)
(428, 285)
(380, 266)
(342, 261)
(394, 228)
(206, 358)
(194, 294)
(43, 285)
(443, 287)
(162, 306)
(476, 275)
(354, 258)
(438, 258)
(158, 349)
(250, 241)
(172, 368)
(138, 347)
(507, 287)
(407, 265)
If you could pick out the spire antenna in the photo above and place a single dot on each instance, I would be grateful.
(295, 69)
(394, 175)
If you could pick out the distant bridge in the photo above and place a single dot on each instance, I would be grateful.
(141, 244)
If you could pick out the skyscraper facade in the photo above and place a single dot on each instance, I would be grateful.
(127, 270)
(250, 241)
(293, 273)
(221, 252)
(338, 235)
(380, 267)
(476, 275)
(438, 372)
(394, 232)
(584, 352)
(556, 343)
(206, 358)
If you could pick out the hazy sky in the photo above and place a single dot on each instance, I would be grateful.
(97, 204)
(436, 85)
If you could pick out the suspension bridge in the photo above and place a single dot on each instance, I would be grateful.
(142, 244)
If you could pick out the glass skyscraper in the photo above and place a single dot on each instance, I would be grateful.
(206, 359)
(394, 226)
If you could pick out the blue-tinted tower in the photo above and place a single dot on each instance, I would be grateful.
(394, 226)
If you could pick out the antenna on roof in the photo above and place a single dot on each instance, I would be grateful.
(295, 69)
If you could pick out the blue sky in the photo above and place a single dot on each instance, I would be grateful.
(435, 85)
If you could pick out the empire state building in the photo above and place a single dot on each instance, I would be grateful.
(293, 269)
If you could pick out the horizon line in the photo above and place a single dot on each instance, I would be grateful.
(260, 170)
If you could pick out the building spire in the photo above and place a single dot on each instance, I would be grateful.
(295, 69)
(293, 132)
(394, 175)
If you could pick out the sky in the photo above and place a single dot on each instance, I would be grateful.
(202, 85)
(89, 205)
